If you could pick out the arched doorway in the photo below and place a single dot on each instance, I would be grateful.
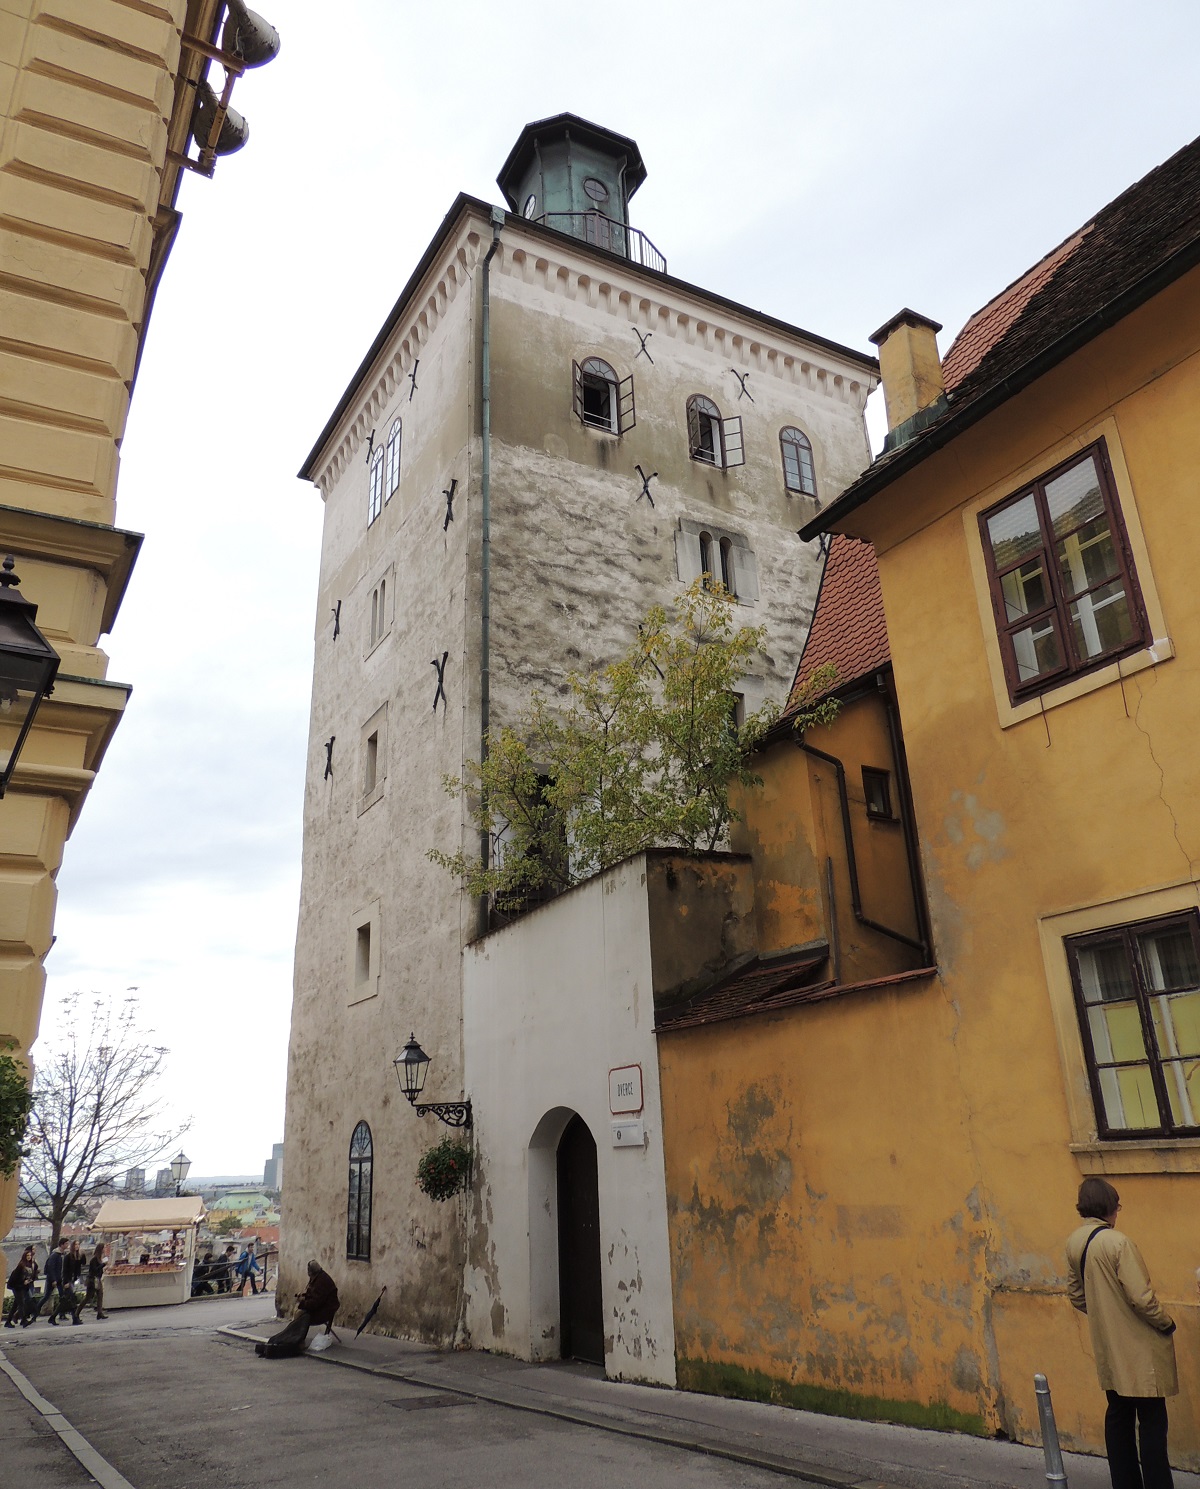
(581, 1305)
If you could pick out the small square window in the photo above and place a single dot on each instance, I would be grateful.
(1064, 591)
(877, 792)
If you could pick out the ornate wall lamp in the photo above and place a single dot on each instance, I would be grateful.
(28, 667)
(412, 1065)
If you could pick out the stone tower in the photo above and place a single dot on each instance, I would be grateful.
(551, 432)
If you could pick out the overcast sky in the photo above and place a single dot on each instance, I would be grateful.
(826, 164)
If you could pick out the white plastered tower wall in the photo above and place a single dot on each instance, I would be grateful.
(577, 557)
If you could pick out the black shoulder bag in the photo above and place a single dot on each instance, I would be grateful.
(1083, 1261)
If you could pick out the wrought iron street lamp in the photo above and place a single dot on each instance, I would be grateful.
(179, 1170)
(412, 1065)
(28, 667)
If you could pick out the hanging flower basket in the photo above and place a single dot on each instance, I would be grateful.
(444, 1169)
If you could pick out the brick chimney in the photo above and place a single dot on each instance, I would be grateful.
(913, 391)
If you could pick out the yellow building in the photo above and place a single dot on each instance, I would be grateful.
(96, 110)
(869, 1187)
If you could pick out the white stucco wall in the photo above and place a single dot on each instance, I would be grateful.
(551, 1004)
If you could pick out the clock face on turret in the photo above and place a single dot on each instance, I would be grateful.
(595, 189)
(530, 206)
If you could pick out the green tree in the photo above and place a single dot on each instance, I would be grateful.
(643, 755)
(94, 1111)
(15, 1102)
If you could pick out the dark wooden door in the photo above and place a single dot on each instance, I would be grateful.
(581, 1308)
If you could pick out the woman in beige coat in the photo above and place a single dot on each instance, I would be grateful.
(1131, 1339)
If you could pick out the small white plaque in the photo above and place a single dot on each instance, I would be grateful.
(625, 1089)
(629, 1134)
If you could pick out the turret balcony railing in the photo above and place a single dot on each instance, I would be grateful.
(607, 232)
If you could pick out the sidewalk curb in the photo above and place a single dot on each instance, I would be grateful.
(808, 1473)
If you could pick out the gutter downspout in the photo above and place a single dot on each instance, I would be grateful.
(485, 481)
(851, 860)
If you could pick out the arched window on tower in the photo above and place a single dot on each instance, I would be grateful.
(358, 1202)
(798, 472)
(600, 399)
(712, 439)
(392, 473)
(375, 490)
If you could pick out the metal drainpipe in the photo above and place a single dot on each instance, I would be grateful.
(485, 481)
(851, 860)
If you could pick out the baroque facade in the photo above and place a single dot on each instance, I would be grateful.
(96, 112)
(626, 431)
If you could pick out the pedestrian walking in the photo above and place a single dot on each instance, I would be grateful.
(95, 1281)
(21, 1280)
(247, 1270)
(54, 1277)
(226, 1264)
(1131, 1340)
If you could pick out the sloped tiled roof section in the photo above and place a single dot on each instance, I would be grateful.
(1125, 241)
(848, 628)
(1130, 250)
(763, 984)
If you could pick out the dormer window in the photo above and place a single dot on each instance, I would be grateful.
(711, 439)
(600, 399)
(798, 471)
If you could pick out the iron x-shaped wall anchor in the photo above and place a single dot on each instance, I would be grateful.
(337, 620)
(329, 756)
(370, 445)
(646, 479)
(412, 377)
(449, 495)
(643, 350)
(441, 672)
(742, 388)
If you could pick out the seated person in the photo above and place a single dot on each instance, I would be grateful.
(317, 1304)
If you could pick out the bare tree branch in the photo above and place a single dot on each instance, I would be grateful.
(95, 1109)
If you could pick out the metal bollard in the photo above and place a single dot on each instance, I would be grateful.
(1055, 1471)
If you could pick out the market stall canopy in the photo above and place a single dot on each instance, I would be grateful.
(149, 1214)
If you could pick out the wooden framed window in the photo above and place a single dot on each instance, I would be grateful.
(1137, 991)
(392, 462)
(711, 439)
(358, 1201)
(375, 488)
(600, 399)
(877, 793)
(1064, 591)
(799, 474)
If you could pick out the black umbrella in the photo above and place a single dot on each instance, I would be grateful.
(372, 1311)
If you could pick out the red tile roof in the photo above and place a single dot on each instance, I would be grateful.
(1133, 248)
(848, 628)
(761, 985)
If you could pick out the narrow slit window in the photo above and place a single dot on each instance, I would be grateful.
(362, 955)
(726, 547)
(799, 473)
(371, 764)
(706, 559)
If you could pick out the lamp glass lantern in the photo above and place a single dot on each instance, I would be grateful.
(28, 668)
(180, 1165)
(412, 1065)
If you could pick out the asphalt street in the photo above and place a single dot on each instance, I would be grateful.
(175, 1398)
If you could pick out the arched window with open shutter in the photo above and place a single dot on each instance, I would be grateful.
(799, 473)
(358, 1202)
(712, 439)
(392, 473)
